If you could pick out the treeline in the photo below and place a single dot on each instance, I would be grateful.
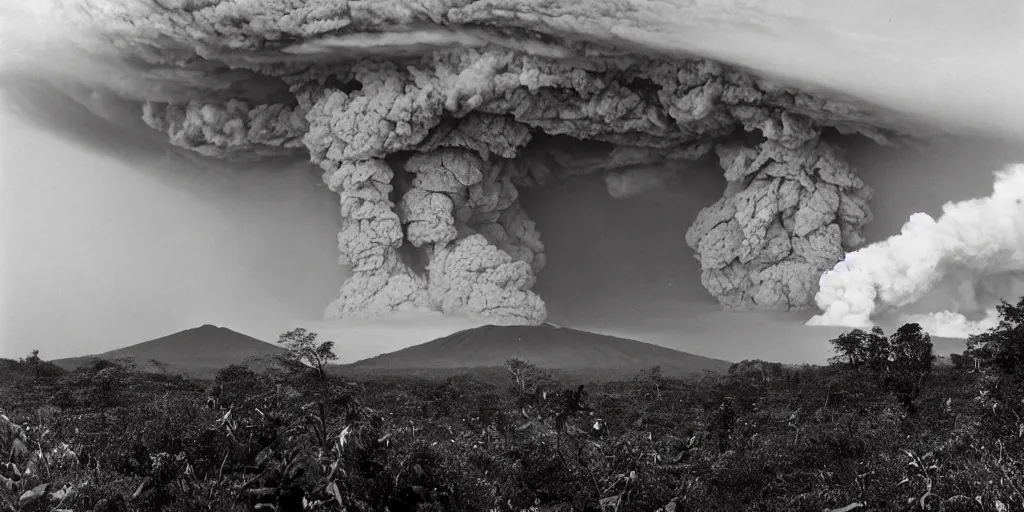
(881, 428)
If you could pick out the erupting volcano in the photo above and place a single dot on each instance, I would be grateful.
(431, 120)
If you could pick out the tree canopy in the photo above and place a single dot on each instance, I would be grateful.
(1001, 347)
(304, 349)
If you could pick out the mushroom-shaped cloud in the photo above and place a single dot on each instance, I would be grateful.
(474, 100)
(788, 215)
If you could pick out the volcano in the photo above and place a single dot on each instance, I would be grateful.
(197, 352)
(546, 346)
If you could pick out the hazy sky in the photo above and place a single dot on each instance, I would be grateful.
(106, 239)
(107, 248)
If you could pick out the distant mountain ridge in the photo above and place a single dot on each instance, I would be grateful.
(202, 351)
(546, 346)
(197, 352)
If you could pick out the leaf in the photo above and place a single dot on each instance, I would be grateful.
(670, 507)
(610, 503)
(847, 508)
(61, 494)
(144, 486)
(262, 492)
(923, 498)
(333, 489)
(295, 470)
(264, 455)
(33, 494)
(18, 449)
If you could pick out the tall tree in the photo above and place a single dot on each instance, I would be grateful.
(849, 348)
(1002, 347)
(910, 364)
(859, 348)
(877, 349)
(911, 349)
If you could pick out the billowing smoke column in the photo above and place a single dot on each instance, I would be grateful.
(975, 251)
(427, 123)
(791, 209)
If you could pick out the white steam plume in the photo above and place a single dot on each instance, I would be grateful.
(947, 324)
(978, 243)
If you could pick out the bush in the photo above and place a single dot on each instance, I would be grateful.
(901, 363)
(762, 438)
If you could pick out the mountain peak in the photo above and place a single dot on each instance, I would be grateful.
(199, 350)
(547, 346)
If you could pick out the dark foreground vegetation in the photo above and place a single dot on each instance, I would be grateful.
(882, 428)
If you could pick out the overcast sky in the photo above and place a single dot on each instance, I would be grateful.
(107, 240)
(103, 248)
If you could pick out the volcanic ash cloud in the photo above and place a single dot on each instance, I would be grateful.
(427, 119)
(974, 253)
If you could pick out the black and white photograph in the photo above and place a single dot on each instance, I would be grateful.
(511, 255)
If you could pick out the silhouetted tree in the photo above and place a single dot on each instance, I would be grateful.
(911, 350)
(902, 362)
(859, 348)
(32, 359)
(848, 348)
(1002, 347)
(877, 350)
(303, 349)
(910, 364)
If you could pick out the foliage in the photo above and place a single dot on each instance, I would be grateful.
(1002, 347)
(859, 348)
(303, 349)
(901, 363)
(762, 437)
(910, 363)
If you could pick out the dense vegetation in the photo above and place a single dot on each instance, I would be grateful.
(881, 428)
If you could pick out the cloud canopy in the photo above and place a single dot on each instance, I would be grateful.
(429, 119)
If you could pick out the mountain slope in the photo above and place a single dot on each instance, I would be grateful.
(546, 346)
(196, 352)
